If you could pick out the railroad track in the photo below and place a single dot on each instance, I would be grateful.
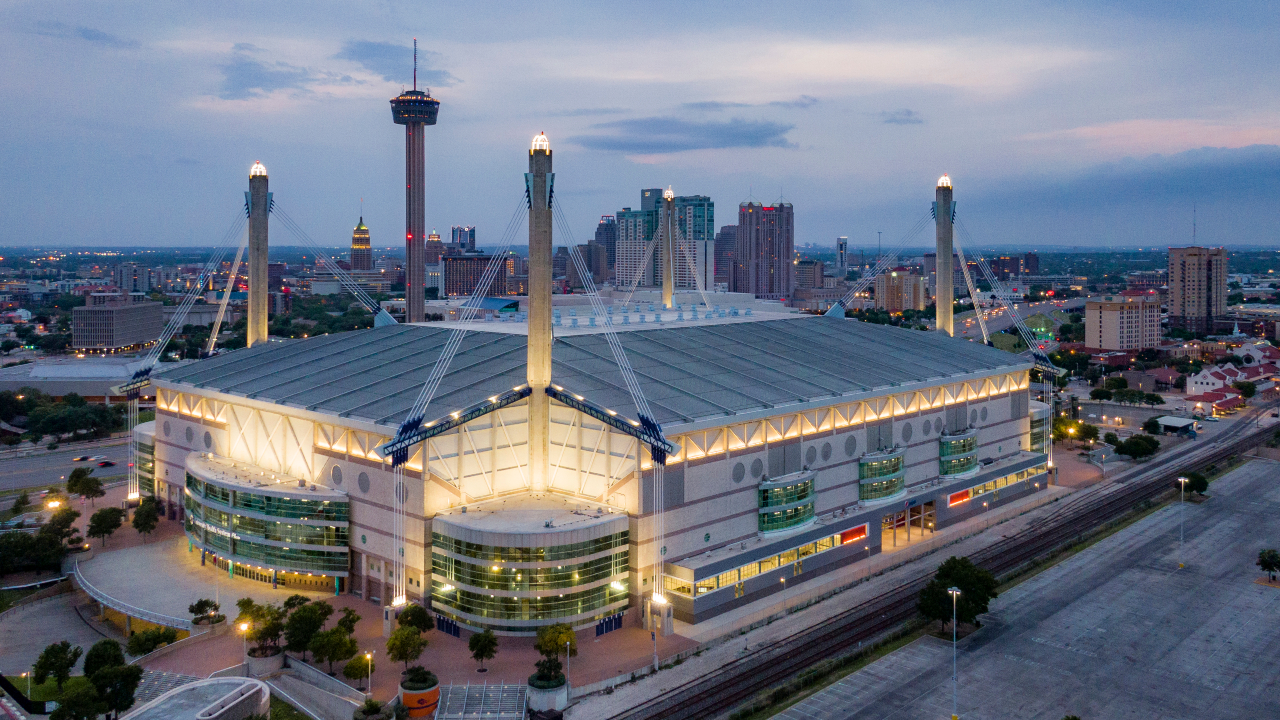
(731, 685)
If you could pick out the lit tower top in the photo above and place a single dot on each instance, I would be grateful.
(540, 142)
(414, 106)
(944, 181)
(258, 169)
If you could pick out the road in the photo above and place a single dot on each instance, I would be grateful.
(998, 319)
(1117, 631)
(45, 468)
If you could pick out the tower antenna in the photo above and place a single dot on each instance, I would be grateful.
(1193, 223)
(415, 63)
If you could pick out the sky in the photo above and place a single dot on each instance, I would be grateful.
(1062, 124)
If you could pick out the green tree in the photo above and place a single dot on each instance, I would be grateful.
(76, 477)
(552, 639)
(1139, 446)
(147, 516)
(1099, 394)
(103, 654)
(56, 661)
(483, 646)
(79, 703)
(405, 645)
(333, 645)
(1111, 439)
(359, 668)
(204, 607)
(105, 522)
(303, 623)
(1152, 426)
(1269, 561)
(1197, 483)
(91, 487)
(1247, 388)
(61, 525)
(1153, 399)
(348, 621)
(22, 503)
(293, 602)
(977, 589)
(416, 616)
(8, 346)
(116, 686)
(1115, 383)
(266, 625)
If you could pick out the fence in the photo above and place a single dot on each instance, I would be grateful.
(126, 608)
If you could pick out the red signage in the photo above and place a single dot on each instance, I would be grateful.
(957, 498)
(853, 535)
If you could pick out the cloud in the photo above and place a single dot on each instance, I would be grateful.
(88, 34)
(588, 112)
(657, 135)
(804, 101)
(395, 62)
(244, 77)
(901, 117)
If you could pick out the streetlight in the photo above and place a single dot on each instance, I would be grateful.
(369, 677)
(244, 634)
(566, 661)
(660, 601)
(1182, 516)
(955, 593)
(27, 675)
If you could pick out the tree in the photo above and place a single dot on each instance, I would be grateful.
(204, 607)
(552, 639)
(405, 645)
(303, 623)
(9, 346)
(333, 645)
(116, 686)
(91, 487)
(483, 646)
(22, 503)
(105, 522)
(358, 669)
(1247, 388)
(79, 703)
(147, 516)
(61, 526)
(103, 654)
(1269, 561)
(416, 616)
(56, 661)
(293, 602)
(1152, 426)
(1099, 394)
(1139, 446)
(1115, 383)
(266, 625)
(348, 621)
(1087, 432)
(76, 477)
(1197, 483)
(1153, 399)
(1111, 439)
(977, 590)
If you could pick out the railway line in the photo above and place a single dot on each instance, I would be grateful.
(734, 683)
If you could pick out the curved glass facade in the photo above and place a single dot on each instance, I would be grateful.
(786, 494)
(146, 468)
(783, 519)
(881, 489)
(878, 466)
(261, 529)
(508, 607)
(881, 475)
(957, 466)
(529, 554)
(958, 446)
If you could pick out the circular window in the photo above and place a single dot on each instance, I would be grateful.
(937, 425)
(811, 455)
(363, 539)
(757, 467)
(850, 445)
(336, 474)
(984, 414)
(402, 493)
(826, 451)
(191, 436)
(925, 427)
(906, 432)
(363, 482)
(167, 429)
(706, 537)
(208, 440)
(973, 417)
(739, 472)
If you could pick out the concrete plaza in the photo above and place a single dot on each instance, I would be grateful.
(1117, 631)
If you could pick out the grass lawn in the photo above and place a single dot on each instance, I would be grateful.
(281, 710)
(1007, 342)
(49, 690)
(9, 597)
(1039, 321)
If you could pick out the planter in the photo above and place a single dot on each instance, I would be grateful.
(548, 699)
(421, 703)
(259, 666)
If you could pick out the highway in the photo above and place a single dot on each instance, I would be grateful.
(46, 468)
(998, 319)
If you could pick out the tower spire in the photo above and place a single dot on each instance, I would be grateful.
(415, 63)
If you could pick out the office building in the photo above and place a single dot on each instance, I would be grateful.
(842, 254)
(361, 251)
(634, 262)
(1197, 287)
(809, 274)
(726, 239)
(131, 277)
(694, 256)
(607, 237)
(1128, 321)
(900, 289)
(463, 238)
(116, 326)
(596, 259)
(462, 275)
(762, 257)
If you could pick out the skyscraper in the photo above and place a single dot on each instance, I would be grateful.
(415, 110)
(842, 252)
(607, 237)
(944, 297)
(636, 229)
(725, 241)
(433, 249)
(464, 238)
(361, 252)
(1197, 287)
(762, 258)
(694, 220)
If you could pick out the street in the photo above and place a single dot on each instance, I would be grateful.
(45, 468)
(998, 318)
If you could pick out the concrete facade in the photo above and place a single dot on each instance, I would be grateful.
(116, 326)
(1197, 287)
(1122, 322)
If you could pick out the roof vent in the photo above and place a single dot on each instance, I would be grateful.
(547, 524)
(302, 483)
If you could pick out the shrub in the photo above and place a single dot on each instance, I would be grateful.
(141, 643)
(419, 678)
(104, 653)
(977, 589)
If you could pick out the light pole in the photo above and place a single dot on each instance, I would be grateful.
(369, 676)
(1182, 517)
(566, 661)
(955, 593)
(244, 635)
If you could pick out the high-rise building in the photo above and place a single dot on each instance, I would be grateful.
(725, 241)
(762, 257)
(1030, 264)
(809, 274)
(607, 237)
(560, 262)
(414, 109)
(1197, 287)
(464, 238)
(694, 261)
(361, 252)
(842, 254)
(462, 274)
(900, 289)
(131, 277)
(595, 257)
(636, 229)
(433, 249)
(1128, 321)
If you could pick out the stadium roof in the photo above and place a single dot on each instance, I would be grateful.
(688, 373)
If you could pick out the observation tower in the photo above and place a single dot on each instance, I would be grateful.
(414, 109)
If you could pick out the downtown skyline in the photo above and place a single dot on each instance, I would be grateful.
(1088, 126)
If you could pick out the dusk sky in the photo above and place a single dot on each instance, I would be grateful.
(1061, 124)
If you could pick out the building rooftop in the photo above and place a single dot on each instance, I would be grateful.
(689, 372)
(532, 513)
(204, 698)
(261, 481)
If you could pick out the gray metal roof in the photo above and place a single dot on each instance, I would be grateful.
(688, 373)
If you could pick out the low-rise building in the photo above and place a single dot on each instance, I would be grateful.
(117, 326)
